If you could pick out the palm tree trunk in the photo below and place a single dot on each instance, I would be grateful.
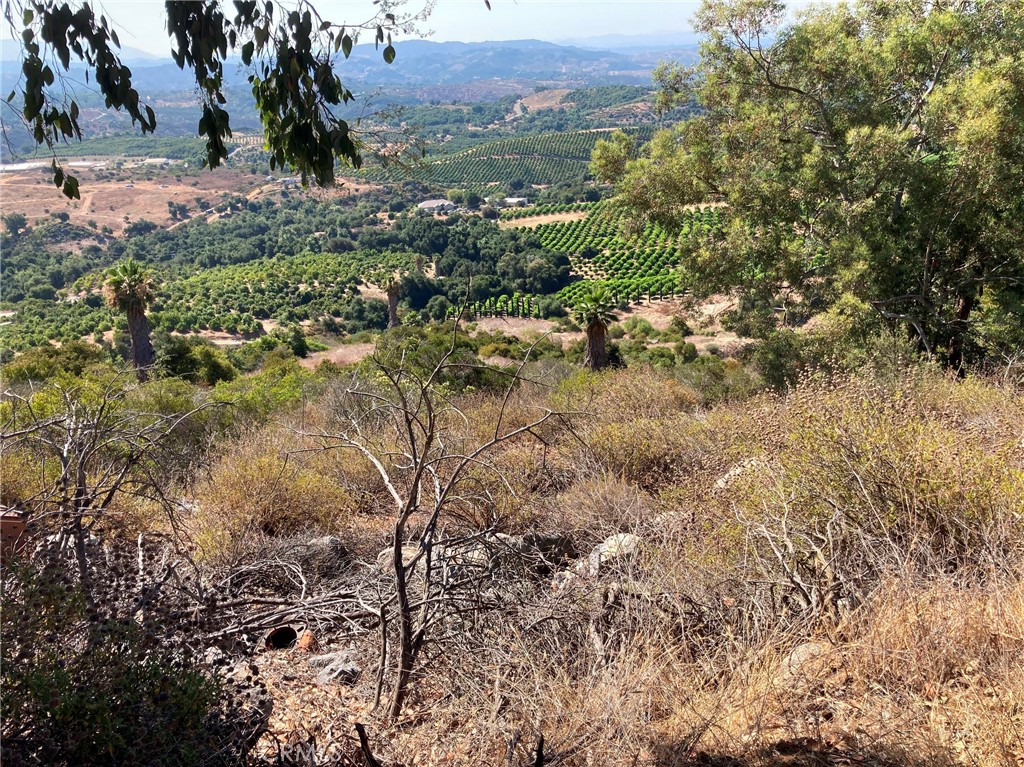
(393, 320)
(596, 355)
(142, 349)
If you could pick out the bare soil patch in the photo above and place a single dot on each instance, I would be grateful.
(345, 354)
(515, 326)
(658, 313)
(109, 195)
(546, 218)
(549, 99)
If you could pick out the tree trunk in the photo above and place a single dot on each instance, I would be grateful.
(393, 320)
(596, 355)
(955, 349)
(405, 628)
(142, 349)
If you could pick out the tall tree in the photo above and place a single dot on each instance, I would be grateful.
(595, 312)
(393, 289)
(15, 222)
(390, 282)
(129, 289)
(871, 149)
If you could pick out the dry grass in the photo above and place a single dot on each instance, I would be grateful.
(830, 577)
(262, 487)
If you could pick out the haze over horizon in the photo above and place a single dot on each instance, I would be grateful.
(140, 25)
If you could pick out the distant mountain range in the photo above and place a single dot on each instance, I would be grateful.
(10, 50)
(615, 59)
(636, 43)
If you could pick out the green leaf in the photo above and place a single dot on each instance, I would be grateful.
(27, 16)
(10, 98)
(346, 45)
(389, 54)
(71, 188)
(247, 51)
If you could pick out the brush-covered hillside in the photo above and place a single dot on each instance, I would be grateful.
(643, 566)
(671, 427)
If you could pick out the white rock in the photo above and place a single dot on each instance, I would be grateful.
(616, 547)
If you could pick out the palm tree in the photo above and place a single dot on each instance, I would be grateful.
(391, 283)
(595, 312)
(393, 287)
(129, 288)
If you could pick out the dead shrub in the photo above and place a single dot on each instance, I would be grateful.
(868, 481)
(21, 477)
(262, 487)
(650, 452)
(598, 506)
(621, 395)
(922, 639)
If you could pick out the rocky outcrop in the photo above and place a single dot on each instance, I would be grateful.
(340, 667)
(613, 551)
(324, 558)
(541, 553)
(386, 557)
(533, 553)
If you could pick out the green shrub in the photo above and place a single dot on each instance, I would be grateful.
(193, 359)
(778, 358)
(686, 351)
(718, 380)
(83, 688)
(44, 362)
(639, 329)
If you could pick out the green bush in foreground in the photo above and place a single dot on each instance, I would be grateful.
(84, 688)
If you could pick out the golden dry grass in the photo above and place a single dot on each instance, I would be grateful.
(897, 502)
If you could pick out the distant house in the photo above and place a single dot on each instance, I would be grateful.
(291, 181)
(508, 202)
(436, 206)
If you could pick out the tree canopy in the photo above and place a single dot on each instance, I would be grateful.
(872, 150)
(289, 49)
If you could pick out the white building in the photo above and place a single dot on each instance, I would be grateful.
(436, 206)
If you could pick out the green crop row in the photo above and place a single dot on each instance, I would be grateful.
(545, 158)
(232, 298)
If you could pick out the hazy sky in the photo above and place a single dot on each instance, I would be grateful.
(140, 22)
